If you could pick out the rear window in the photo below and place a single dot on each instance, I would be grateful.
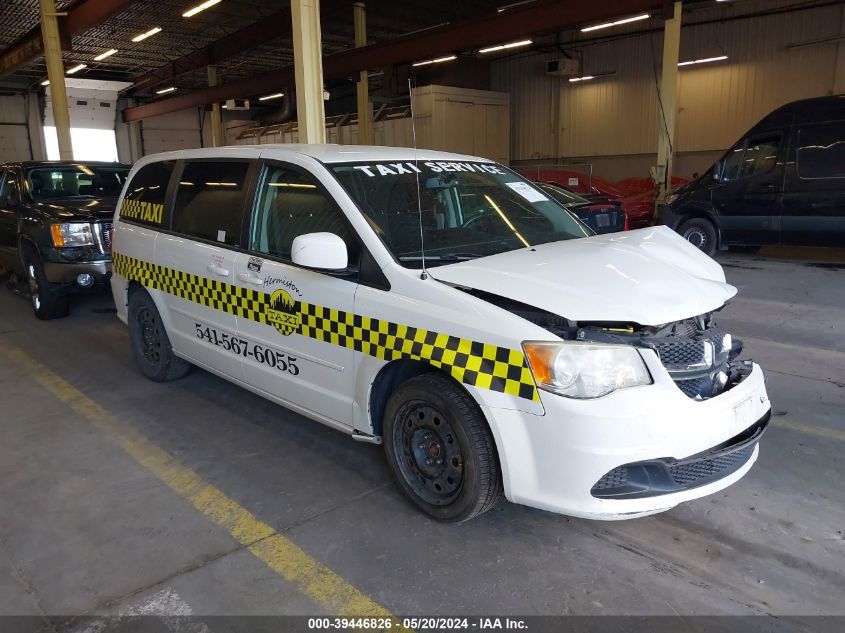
(144, 199)
(821, 151)
(210, 201)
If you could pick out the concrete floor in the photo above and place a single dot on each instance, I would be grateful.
(87, 529)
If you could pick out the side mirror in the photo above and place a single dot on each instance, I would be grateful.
(323, 251)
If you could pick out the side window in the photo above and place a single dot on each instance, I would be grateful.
(9, 187)
(821, 151)
(290, 203)
(761, 155)
(209, 201)
(144, 199)
(732, 163)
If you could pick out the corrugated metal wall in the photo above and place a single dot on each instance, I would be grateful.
(617, 114)
(14, 135)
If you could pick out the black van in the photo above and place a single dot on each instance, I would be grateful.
(782, 183)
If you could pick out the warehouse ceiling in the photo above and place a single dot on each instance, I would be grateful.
(182, 36)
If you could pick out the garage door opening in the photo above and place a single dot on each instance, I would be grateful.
(88, 144)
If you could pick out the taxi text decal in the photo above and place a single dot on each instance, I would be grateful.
(283, 313)
(143, 211)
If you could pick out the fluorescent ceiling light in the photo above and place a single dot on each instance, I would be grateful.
(46, 82)
(200, 7)
(502, 47)
(584, 78)
(165, 90)
(705, 60)
(272, 96)
(108, 53)
(438, 60)
(75, 69)
(513, 5)
(607, 25)
(146, 34)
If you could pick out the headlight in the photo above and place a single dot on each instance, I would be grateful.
(671, 198)
(585, 370)
(75, 234)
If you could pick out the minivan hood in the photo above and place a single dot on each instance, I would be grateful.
(649, 276)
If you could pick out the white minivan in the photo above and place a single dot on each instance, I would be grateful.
(447, 308)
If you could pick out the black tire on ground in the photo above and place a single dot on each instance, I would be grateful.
(46, 300)
(700, 233)
(150, 344)
(440, 449)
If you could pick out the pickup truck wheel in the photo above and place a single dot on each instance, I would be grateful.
(150, 343)
(700, 233)
(440, 449)
(46, 301)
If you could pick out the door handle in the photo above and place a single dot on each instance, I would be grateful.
(251, 278)
(218, 270)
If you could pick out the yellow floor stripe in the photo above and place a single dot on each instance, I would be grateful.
(280, 554)
(821, 431)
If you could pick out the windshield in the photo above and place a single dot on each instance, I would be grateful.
(468, 210)
(68, 181)
(564, 196)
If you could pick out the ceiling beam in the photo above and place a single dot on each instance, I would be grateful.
(264, 30)
(80, 17)
(496, 28)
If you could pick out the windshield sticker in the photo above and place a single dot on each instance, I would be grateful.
(143, 211)
(527, 191)
(437, 167)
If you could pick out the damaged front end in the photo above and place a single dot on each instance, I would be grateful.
(700, 356)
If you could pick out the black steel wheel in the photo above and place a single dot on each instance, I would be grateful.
(150, 343)
(700, 233)
(440, 448)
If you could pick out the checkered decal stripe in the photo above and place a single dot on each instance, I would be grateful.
(478, 364)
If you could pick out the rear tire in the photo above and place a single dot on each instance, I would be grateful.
(700, 233)
(440, 449)
(150, 343)
(46, 300)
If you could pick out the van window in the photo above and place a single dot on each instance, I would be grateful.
(821, 151)
(144, 199)
(761, 155)
(210, 199)
(732, 164)
(290, 203)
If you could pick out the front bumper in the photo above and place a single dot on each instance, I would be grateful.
(66, 273)
(553, 461)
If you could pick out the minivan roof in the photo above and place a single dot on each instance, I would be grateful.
(324, 153)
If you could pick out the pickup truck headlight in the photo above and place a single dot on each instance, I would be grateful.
(585, 370)
(72, 234)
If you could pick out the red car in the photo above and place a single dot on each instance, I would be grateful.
(638, 209)
(641, 185)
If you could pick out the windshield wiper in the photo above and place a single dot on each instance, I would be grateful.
(451, 257)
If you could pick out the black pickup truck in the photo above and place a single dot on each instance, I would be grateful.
(55, 227)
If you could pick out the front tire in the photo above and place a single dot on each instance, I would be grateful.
(440, 449)
(700, 233)
(150, 343)
(47, 302)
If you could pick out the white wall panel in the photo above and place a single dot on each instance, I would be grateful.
(14, 135)
(617, 115)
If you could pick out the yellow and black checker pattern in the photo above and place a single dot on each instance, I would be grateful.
(139, 210)
(473, 363)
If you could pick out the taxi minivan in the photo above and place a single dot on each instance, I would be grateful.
(445, 307)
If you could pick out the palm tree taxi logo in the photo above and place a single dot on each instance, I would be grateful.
(283, 313)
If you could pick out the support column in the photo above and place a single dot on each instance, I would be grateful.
(667, 107)
(365, 114)
(218, 134)
(56, 76)
(308, 70)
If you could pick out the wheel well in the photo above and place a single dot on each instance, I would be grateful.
(133, 286)
(389, 377)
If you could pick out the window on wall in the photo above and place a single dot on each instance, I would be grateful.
(87, 144)
(210, 200)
